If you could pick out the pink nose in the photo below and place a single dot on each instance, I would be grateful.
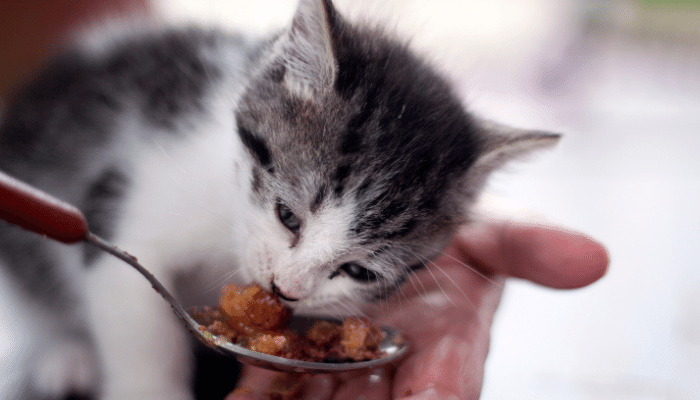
(279, 293)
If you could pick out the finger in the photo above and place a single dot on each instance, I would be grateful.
(375, 385)
(257, 383)
(320, 387)
(254, 384)
(546, 255)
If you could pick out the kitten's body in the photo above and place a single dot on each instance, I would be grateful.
(143, 180)
(325, 164)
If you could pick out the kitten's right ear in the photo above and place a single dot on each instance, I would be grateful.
(307, 49)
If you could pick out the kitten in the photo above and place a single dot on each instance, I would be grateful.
(326, 163)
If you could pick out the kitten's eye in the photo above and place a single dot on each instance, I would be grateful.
(288, 218)
(359, 273)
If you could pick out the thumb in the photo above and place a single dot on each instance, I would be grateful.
(257, 383)
(545, 255)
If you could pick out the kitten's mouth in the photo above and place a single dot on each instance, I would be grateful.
(276, 290)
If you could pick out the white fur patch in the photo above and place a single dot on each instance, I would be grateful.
(323, 242)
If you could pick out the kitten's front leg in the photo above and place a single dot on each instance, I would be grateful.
(143, 348)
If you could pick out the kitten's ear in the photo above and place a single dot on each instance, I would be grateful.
(307, 48)
(503, 144)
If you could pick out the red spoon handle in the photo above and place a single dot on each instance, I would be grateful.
(32, 209)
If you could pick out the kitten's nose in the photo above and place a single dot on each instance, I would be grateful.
(279, 293)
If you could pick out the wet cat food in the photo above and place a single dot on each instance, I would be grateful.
(256, 319)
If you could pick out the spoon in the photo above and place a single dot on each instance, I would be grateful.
(37, 211)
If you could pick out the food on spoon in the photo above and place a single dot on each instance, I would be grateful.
(256, 319)
(323, 333)
(254, 306)
(360, 338)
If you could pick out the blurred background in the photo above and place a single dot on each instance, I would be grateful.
(621, 80)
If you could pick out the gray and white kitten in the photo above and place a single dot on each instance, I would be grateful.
(326, 163)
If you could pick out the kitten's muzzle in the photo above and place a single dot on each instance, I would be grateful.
(279, 293)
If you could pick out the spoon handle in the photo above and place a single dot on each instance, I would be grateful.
(32, 209)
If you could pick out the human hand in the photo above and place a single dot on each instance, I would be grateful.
(446, 311)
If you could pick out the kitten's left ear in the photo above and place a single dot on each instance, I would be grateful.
(502, 144)
(307, 48)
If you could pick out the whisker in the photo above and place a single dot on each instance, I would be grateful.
(350, 308)
(342, 308)
(222, 280)
(170, 157)
(477, 272)
(435, 279)
(333, 310)
(401, 295)
(453, 283)
(421, 291)
(412, 275)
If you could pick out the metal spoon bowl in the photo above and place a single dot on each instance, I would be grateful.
(393, 346)
(32, 209)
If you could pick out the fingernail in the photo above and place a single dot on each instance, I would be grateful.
(431, 394)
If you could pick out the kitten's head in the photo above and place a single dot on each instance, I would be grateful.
(364, 162)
